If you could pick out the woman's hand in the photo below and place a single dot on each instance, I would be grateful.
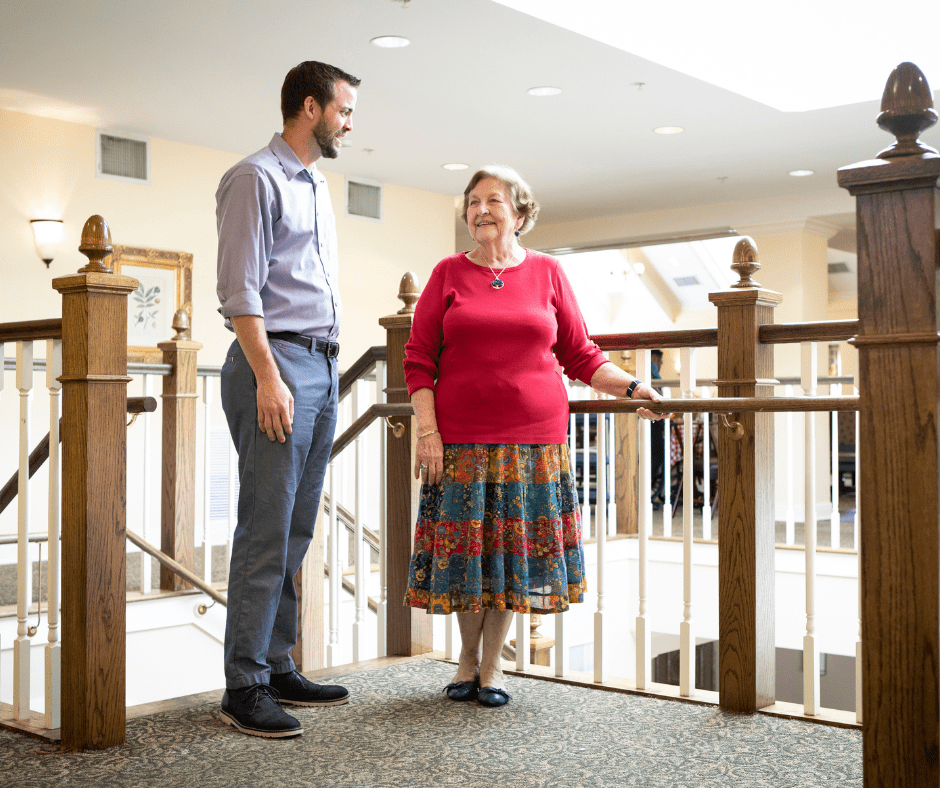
(642, 391)
(429, 458)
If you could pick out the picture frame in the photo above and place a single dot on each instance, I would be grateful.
(166, 286)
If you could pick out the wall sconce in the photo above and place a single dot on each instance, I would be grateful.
(47, 235)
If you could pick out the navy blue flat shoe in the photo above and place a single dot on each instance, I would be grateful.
(462, 690)
(492, 697)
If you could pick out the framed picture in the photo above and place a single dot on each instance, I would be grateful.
(166, 285)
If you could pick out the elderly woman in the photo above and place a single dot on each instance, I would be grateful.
(498, 527)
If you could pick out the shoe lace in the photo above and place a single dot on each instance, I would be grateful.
(259, 692)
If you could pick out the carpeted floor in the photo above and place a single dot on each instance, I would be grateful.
(399, 731)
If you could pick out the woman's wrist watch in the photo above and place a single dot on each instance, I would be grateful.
(630, 389)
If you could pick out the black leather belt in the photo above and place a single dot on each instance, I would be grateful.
(324, 346)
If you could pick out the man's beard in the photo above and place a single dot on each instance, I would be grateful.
(329, 144)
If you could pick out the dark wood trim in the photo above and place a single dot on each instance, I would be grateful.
(360, 366)
(31, 330)
(699, 337)
(826, 331)
(719, 405)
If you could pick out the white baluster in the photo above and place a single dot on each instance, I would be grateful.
(522, 641)
(207, 398)
(612, 476)
(706, 473)
(645, 520)
(601, 520)
(24, 575)
(790, 533)
(586, 477)
(53, 712)
(336, 572)
(835, 535)
(146, 569)
(858, 547)
(382, 610)
(561, 654)
(449, 636)
(810, 651)
(686, 634)
(359, 555)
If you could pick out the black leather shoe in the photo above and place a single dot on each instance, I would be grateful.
(492, 696)
(254, 710)
(295, 690)
(462, 690)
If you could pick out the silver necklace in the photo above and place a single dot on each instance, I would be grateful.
(497, 283)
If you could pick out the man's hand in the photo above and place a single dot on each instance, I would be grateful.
(275, 408)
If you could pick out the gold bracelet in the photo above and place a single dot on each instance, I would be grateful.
(425, 434)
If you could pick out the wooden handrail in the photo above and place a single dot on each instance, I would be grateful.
(824, 331)
(40, 454)
(377, 411)
(31, 330)
(175, 567)
(718, 405)
(360, 366)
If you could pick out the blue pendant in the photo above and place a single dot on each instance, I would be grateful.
(497, 283)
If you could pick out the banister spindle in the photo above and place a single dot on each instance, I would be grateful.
(810, 647)
(686, 632)
(53, 711)
(24, 575)
(643, 624)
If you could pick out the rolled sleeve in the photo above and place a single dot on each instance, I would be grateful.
(245, 218)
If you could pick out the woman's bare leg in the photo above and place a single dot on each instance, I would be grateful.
(496, 625)
(471, 630)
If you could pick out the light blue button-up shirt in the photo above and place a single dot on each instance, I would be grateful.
(277, 244)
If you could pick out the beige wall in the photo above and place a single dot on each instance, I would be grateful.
(47, 170)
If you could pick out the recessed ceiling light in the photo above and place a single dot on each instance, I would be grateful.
(544, 90)
(669, 130)
(801, 173)
(390, 42)
(455, 166)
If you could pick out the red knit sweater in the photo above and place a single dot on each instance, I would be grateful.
(490, 355)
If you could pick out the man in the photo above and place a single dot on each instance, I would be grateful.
(277, 282)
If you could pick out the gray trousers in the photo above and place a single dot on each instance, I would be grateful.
(280, 487)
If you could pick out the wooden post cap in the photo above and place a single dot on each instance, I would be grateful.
(409, 293)
(906, 111)
(96, 245)
(181, 325)
(745, 262)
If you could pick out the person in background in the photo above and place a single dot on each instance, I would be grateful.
(277, 283)
(498, 527)
(657, 439)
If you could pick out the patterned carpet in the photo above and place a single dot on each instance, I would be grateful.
(399, 731)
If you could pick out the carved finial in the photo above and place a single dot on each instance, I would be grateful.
(409, 293)
(906, 111)
(96, 246)
(181, 325)
(744, 262)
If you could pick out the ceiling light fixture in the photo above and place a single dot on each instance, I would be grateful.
(544, 90)
(801, 173)
(47, 235)
(669, 130)
(455, 166)
(390, 42)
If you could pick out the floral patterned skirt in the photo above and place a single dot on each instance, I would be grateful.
(502, 530)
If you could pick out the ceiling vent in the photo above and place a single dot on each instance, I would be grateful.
(122, 157)
(686, 281)
(839, 268)
(364, 199)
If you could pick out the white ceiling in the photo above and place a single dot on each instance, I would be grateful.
(208, 73)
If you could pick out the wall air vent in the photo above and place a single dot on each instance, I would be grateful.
(686, 281)
(122, 157)
(839, 268)
(364, 199)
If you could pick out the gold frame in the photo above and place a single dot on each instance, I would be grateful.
(181, 263)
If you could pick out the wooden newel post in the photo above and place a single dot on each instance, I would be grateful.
(746, 658)
(94, 475)
(899, 390)
(178, 505)
(409, 629)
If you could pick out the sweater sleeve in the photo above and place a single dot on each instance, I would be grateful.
(423, 349)
(576, 352)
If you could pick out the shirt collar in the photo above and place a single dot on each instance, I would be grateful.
(290, 162)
